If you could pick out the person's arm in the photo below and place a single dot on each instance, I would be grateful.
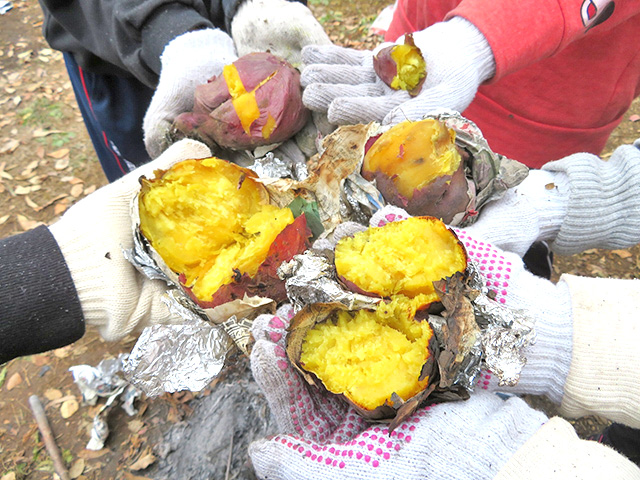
(576, 203)
(56, 279)
(522, 33)
(39, 305)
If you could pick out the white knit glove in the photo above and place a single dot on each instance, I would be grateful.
(187, 61)
(530, 212)
(343, 83)
(322, 438)
(576, 203)
(92, 234)
(278, 26)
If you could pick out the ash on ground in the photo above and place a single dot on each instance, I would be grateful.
(213, 442)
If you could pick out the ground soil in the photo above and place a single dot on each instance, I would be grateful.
(46, 164)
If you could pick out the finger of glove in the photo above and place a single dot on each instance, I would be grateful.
(363, 109)
(337, 74)
(319, 97)
(509, 223)
(387, 214)
(289, 396)
(334, 55)
(442, 96)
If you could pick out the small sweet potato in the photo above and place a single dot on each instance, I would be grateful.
(402, 67)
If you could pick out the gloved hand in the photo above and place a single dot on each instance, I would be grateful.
(114, 296)
(187, 61)
(343, 83)
(323, 438)
(576, 203)
(278, 26)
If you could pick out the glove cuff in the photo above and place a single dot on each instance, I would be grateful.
(603, 210)
(604, 378)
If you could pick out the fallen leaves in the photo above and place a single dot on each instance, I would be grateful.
(14, 381)
(145, 459)
(69, 407)
(9, 146)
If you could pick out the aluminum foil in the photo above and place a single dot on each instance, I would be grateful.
(105, 380)
(311, 278)
(506, 333)
(171, 358)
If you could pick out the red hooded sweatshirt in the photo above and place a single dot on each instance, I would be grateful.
(566, 70)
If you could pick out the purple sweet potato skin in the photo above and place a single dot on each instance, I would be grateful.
(443, 198)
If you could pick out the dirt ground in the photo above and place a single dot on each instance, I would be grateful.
(46, 164)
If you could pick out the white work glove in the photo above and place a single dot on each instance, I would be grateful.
(189, 60)
(278, 26)
(92, 234)
(575, 204)
(322, 438)
(343, 83)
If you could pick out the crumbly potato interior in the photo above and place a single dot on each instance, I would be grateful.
(413, 154)
(368, 355)
(403, 257)
(410, 65)
(206, 218)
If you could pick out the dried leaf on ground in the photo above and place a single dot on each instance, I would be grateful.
(14, 381)
(9, 146)
(69, 407)
(77, 468)
(145, 459)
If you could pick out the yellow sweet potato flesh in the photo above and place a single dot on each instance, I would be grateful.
(403, 257)
(369, 355)
(413, 154)
(206, 218)
(411, 67)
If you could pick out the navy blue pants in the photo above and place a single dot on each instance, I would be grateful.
(113, 109)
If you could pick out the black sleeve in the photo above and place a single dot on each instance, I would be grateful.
(39, 306)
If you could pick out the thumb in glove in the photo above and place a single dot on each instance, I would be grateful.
(92, 234)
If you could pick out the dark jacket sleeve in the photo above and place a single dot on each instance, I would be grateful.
(39, 306)
(126, 37)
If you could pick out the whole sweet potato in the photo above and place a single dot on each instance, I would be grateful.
(256, 101)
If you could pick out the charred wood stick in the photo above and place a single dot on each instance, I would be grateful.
(48, 438)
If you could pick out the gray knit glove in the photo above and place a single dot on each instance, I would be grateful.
(343, 83)
(576, 203)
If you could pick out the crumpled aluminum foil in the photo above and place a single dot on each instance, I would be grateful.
(506, 333)
(105, 380)
(310, 278)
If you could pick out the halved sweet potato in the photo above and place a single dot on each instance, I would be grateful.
(375, 359)
(416, 165)
(400, 258)
(213, 225)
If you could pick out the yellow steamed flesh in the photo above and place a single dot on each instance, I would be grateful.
(414, 154)
(209, 221)
(403, 257)
(410, 65)
(369, 355)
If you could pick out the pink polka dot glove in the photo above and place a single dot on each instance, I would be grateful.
(321, 437)
(549, 358)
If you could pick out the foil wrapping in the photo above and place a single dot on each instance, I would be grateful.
(106, 380)
(310, 278)
(506, 334)
(171, 358)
